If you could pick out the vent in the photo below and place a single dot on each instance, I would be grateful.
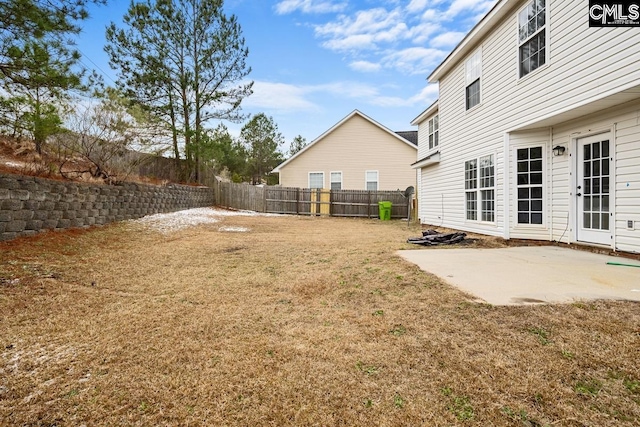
(630, 225)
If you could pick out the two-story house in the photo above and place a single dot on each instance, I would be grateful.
(536, 132)
(357, 153)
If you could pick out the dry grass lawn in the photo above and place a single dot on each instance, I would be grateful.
(300, 321)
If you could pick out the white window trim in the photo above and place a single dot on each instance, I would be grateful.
(366, 181)
(467, 83)
(309, 178)
(331, 181)
(546, 43)
(514, 187)
(479, 189)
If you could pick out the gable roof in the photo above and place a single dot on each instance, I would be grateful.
(337, 125)
(409, 135)
(494, 17)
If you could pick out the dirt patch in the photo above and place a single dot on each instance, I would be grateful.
(300, 321)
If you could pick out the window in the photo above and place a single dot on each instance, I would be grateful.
(372, 180)
(336, 180)
(470, 185)
(532, 36)
(316, 179)
(529, 185)
(433, 132)
(473, 73)
(479, 183)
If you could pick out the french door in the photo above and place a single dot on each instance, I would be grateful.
(594, 165)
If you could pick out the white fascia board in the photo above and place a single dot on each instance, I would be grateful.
(427, 161)
(430, 111)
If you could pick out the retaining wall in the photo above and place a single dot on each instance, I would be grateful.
(29, 205)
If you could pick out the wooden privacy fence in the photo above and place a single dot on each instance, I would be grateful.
(306, 201)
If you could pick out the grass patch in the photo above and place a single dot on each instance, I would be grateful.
(588, 387)
(205, 328)
(542, 335)
(459, 406)
(398, 330)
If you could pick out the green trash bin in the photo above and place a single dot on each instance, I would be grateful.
(384, 209)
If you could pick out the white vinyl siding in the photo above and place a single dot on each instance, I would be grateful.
(316, 179)
(586, 65)
(371, 180)
(625, 197)
(473, 75)
(336, 180)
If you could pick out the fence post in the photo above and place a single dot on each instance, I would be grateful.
(330, 202)
(298, 201)
(369, 204)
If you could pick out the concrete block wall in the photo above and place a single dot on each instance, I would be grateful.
(29, 205)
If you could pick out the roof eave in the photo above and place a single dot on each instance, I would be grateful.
(431, 159)
(431, 110)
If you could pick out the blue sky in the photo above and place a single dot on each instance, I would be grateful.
(315, 61)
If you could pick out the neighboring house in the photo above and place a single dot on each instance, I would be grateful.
(357, 153)
(536, 133)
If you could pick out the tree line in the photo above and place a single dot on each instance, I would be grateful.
(181, 74)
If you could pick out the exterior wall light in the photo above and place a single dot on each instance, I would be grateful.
(558, 150)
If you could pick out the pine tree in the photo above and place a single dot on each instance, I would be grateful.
(184, 62)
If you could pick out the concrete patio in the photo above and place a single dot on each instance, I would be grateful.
(531, 274)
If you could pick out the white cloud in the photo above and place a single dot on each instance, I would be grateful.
(414, 60)
(426, 95)
(363, 31)
(365, 66)
(415, 6)
(352, 42)
(309, 6)
(447, 40)
(468, 7)
(420, 34)
(279, 97)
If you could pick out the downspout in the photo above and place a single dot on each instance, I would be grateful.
(505, 179)
(550, 209)
(613, 151)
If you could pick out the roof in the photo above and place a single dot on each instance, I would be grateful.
(431, 159)
(409, 135)
(430, 111)
(493, 18)
(337, 125)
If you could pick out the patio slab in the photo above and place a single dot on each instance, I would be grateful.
(531, 274)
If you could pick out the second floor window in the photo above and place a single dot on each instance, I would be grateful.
(433, 132)
(473, 75)
(532, 36)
